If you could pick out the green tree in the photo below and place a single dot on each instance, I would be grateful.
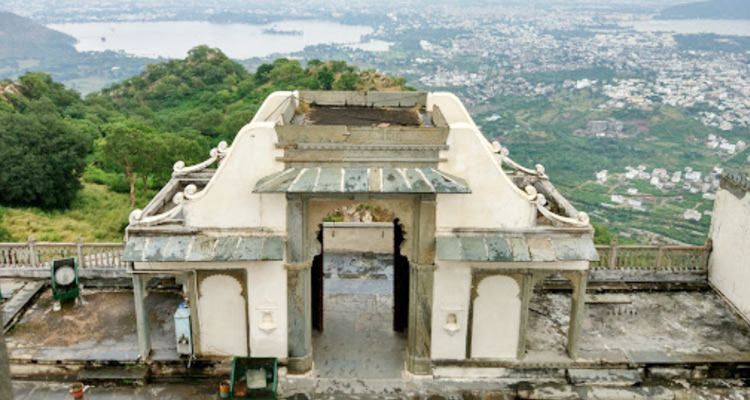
(325, 78)
(347, 81)
(42, 159)
(133, 148)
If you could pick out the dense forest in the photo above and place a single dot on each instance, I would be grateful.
(61, 151)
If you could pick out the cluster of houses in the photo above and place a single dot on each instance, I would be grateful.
(688, 179)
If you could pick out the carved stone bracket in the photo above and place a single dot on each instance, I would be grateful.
(582, 219)
(217, 153)
(137, 218)
(503, 153)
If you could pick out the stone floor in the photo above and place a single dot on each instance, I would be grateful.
(641, 327)
(99, 327)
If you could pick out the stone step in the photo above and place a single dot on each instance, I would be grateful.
(13, 307)
(121, 375)
(607, 377)
(554, 391)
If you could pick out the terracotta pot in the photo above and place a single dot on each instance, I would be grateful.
(76, 390)
(224, 389)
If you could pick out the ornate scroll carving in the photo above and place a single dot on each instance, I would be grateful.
(217, 153)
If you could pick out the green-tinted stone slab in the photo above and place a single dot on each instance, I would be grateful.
(393, 181)
(417, 182)
(249, 249)
(277, 182)
(155, 248)
(541, 249)
(202, 249)
(226, 249)
(306, 182)
(134, 249)
(520, 249)
(573, 249)
(448, 248)
(356, 180)
(177, 248)
(473, 248)
(442, 183)
(498, 249)
(273, 248)
(329, 180)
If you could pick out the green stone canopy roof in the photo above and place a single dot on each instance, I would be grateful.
(496, 247)
(203, 248)
(361, 180)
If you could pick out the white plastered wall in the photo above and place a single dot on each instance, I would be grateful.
(266, 293)
(729, 265)
(452, 288)
(452, 294)
(228, 200)
(496, 318)
(494, 202)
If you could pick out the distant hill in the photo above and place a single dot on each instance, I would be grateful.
(713, 9)
(23, 39)
(27, 46)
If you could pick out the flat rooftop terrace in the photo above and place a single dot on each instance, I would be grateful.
(364, 116)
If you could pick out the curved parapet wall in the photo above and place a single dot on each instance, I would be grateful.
(495, 202)
(228, 201)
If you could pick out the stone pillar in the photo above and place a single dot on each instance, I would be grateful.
(421, 284)
(6, 390)
(421, 279)
(299, 312)
(527, 289)
(299, 315)
(578, 303)
(141, 316)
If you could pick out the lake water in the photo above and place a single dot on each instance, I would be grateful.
(734, 27)
(173, 39)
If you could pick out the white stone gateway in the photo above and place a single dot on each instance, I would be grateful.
(474, 232)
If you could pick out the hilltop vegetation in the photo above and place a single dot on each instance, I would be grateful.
(121, 142)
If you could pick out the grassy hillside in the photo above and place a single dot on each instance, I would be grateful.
(97, 214)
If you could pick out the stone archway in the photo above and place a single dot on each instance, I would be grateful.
(416, 214)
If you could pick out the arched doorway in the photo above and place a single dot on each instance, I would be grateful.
(360, 297)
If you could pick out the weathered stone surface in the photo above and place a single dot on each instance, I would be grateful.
(541, 249)
(520, 249)
(473, 248)
(618, 377)
(202, 249)
(177, 248)
(568, 392)
(249, 249)
(155, 248)
(355, 180)
(498, 249)
(572, 249)
(226, 249)
(134, 249)
(448, 247)
(273, 248)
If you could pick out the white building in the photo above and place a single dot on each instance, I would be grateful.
(246, 240)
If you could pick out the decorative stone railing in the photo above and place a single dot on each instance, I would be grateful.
(33, 256)
(581, 219)
(139, 217)
(652, 258)
(33, 259)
